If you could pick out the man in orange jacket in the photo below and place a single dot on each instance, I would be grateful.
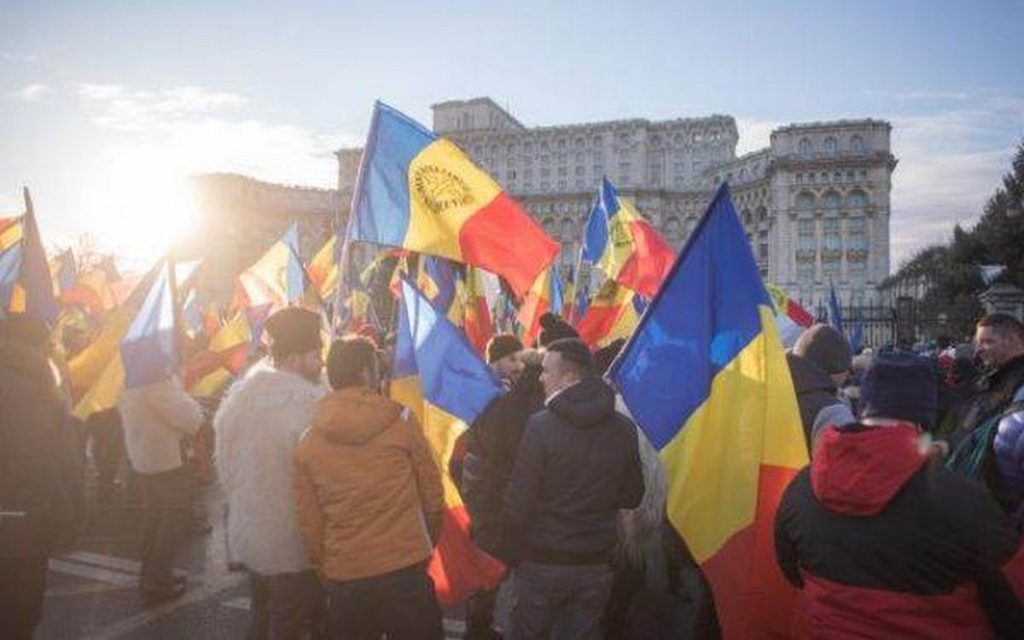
(370, 503)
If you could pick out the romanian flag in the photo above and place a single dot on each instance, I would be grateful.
(93, 289)
(790, 317)
(613, 313)
(438, 375)
(95, 383)
(545, 295)
(624, 245)
(476, 313)
(277, 278)
(207, 372)
(705, 377)
(323, 269)
(144, 352)
(422, 193)
(25, 282)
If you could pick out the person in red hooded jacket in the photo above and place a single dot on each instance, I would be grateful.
(883, 541)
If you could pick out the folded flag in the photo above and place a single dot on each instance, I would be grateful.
(422, 193)
(25, 282)
(477, 314)
(705, 376)
(225, 356)
(140, 343)
(277, 278)
(323, 269)
(790, 317)
(624, 245)
(544, 296)
(613, 313)
(444, 382)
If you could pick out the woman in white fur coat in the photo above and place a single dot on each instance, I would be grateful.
(257, 430)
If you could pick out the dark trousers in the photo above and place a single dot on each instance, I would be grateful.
(480, 613)
(401, 604)
(286, 606)
(566, 598)
(165, 499)
(22, 583)
(104, 429)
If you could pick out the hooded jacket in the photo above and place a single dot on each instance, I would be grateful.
(257, 429)
(886, 544)
(577, 465)
(367, 487)
(492, 445)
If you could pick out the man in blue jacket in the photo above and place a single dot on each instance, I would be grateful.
(577, 465)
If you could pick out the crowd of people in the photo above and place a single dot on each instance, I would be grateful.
(906, 523)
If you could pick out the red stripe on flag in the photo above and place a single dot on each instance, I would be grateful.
(459, 567)
(597, 323)
(647, 266)
(752, 598)
(503, 239)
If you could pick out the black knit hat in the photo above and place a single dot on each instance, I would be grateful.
(293, 330)
(825, 347)
(501, 345)
(901, 386)
(554, 328)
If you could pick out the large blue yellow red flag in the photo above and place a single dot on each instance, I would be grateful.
(624, 245)
(723, 416)
(422, 193)
(444, 382)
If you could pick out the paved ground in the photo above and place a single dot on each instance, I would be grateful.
(92, 590)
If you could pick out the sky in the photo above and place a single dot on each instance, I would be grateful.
(107, 107)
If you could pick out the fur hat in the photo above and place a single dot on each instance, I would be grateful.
(501, 345)
(293, 330)
(825, 347)
(554, 328)
(901, 386)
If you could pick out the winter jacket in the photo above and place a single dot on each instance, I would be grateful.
(886, 544)
(1009, 450)
(40, 471)
(367, 487)
(817, 397)
(993, 396)
(493, 442)
(156, 418)
(257, 429)
(577, 465)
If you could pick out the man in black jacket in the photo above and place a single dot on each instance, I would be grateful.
(38, 473)
(578, 464)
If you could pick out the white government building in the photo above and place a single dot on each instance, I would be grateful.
(815, 203)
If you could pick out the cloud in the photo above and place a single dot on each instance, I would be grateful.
(197, 130)
(754, 133)
(950, 162)
(14, 56)
(33, 92)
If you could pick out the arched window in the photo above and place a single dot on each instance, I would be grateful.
(831, 201)
(762, 213)
(805, 148)
(831, 145)
(568, 229)
(805, 201)
(857, 144)
(673, 229)
(857, 199)
(549, 226)
(747, 219)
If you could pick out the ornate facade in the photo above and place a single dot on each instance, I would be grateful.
(815, 203)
